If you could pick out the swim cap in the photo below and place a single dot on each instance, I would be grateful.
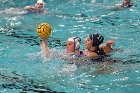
(97, 39)
(40, 1)
(43, 30)
(77, 42)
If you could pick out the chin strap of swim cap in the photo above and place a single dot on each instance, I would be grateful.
(77, 42)
(97, 39)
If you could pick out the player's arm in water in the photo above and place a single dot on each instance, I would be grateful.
(30, 8)
(108, 46)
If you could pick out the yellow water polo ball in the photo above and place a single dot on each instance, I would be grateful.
(43, 30)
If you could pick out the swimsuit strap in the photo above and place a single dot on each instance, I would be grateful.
(82, 54)
(77, 56)
(40, 11)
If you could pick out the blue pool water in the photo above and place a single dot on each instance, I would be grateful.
(23, 69)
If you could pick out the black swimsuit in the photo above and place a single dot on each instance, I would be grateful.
(99, 51)
(101, 54)
(127, 5)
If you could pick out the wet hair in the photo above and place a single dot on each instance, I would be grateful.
(96, 38)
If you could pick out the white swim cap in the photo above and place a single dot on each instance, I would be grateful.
(40, 1)
(77, 42)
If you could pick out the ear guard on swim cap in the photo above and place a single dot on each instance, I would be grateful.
(97, 39)
(77, 42)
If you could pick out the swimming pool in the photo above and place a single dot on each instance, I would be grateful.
(23, 69)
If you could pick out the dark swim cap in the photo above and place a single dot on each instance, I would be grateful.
(97, 39)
